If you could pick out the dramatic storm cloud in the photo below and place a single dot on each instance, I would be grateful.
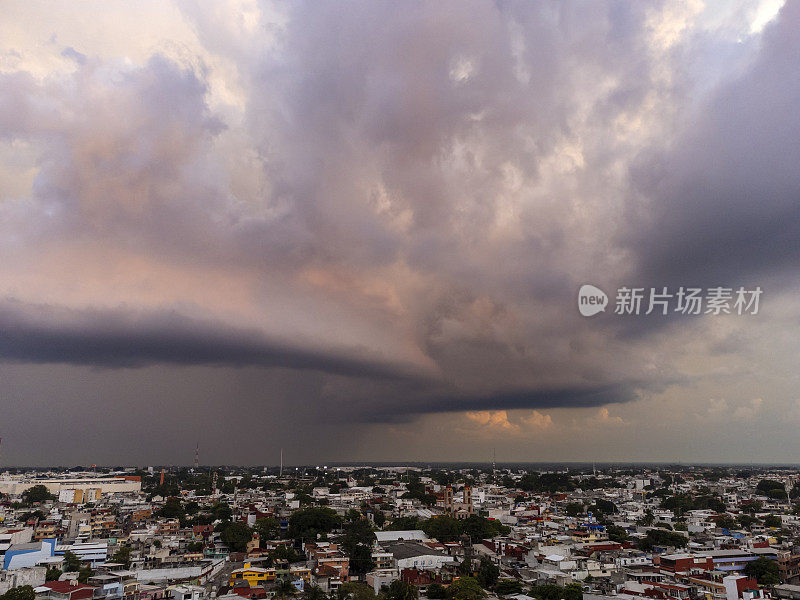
(357, 231)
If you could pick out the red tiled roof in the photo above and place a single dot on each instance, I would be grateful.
(65, 586)
(75, 592)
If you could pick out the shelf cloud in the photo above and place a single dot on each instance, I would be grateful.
(376, 215)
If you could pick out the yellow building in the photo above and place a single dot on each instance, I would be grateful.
(45, 530)
(252, 575)
(303, 573)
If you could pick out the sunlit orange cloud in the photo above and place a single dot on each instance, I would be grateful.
(497, 422)
(97, 275)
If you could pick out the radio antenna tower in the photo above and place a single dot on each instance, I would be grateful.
(280, 473)
(197, 456)
(494, 462)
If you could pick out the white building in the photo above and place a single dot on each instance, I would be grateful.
(28, 555)
(412, 555)
(14, 486)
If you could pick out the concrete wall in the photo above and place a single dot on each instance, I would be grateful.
(203, 571)
(424, 562)
(32, 576)
(23, 536)
(15, 486)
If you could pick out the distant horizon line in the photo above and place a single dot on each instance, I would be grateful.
(415, 463)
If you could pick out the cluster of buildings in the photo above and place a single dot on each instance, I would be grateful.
(687, 533)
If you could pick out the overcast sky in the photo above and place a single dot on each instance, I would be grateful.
(356, 231)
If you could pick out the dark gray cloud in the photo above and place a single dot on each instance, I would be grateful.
(724, 193)
(117, 339)
(404, 198)
(125, 339)
(426, 402)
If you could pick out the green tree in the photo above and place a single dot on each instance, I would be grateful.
(35, 515)
(306, 499)
(379, 518)
(507, 587)
(443, 528)
(228, 486)
(52, 574)
(355, 591)
(122, 556)
(172, 509)
(404, 524)
(267, 528)
(401, 590)
(221, 511)
(24, 592)
(479, 528)
(662, 537)
(84, 573)
(436, 591)
(360, 559)
(285, 552)
(603, 506)
(416, 489)
(573, 591)
(772, 521)
(555, 592)
(573, 509)
(236, 536)
(708, 502)
(351, 516)
(36, 494)
(680, 503)
(357, 532)
(617, 534)
(465, 588)
(314, 592)
(746, 521)
(725, 522)
(647, 519)
(488, 572)
(285, 589)
(71, 562)
(465, 568)
(555, 482)
(751, 506)
(772, 489)
(307, 523)
(766, 571)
